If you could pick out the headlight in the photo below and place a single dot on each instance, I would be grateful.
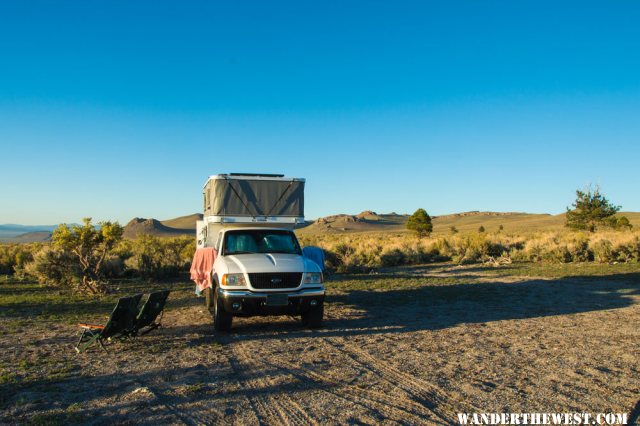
(312, 278)
(233, 279)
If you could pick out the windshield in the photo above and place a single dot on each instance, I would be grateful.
(260, 241)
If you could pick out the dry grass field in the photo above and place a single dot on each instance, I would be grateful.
(408, 345)
(464, 222)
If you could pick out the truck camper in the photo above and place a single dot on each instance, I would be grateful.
(248, 260)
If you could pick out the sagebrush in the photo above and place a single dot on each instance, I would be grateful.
(368, 251)
(153, 257)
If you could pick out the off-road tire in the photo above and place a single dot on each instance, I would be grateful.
(208, 299)
(221, 319)
(313, 317)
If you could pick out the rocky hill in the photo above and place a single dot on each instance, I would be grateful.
(364, 221)
(187, 223)
(369, 221)
(139, 226)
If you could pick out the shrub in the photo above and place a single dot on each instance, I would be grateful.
(623, 223)
(14, 257)
(628, 251)
(443, 247)
(113, 267)
(90, 245)
(557, 254)
(364, 252)
(22, 258)
(603, 251)
(154, 257)
(393, 257)
(579, 250)
(146, 256)
(416, 254)
(55, 268)
(331, 261)
(345, 260)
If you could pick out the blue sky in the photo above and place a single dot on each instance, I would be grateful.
(122, 109)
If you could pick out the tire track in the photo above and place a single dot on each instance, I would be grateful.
(270, 410)
(264, 413)
(419, 401)
(421, 391)
(371, 400)
(184, 418)
(189, 415)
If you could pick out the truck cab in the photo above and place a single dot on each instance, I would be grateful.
(259, 267)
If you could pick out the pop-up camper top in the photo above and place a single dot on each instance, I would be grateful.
(242, 199)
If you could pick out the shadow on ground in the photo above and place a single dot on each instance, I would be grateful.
(436, 307)
(150, 397)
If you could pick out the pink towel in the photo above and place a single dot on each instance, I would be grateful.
(202, 267)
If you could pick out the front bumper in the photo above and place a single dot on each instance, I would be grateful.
(249, 303)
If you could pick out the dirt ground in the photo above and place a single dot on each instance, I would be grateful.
(410, 346)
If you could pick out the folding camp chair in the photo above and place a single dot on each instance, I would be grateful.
(119, 324)
(153, 307)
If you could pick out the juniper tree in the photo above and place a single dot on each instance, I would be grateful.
(420, 222)
(590, 211)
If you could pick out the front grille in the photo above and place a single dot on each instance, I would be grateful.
(266, 280)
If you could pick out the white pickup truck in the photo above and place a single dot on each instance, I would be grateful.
(259, 267)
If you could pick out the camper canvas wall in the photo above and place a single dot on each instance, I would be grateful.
(253, 196)
(240, 200)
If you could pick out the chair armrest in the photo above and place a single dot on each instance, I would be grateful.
(91, 326)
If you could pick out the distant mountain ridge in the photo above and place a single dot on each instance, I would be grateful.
(11, 230)
(479, 213)
(369, 221)
(30, 237)
(183, 225)
(366, 221)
